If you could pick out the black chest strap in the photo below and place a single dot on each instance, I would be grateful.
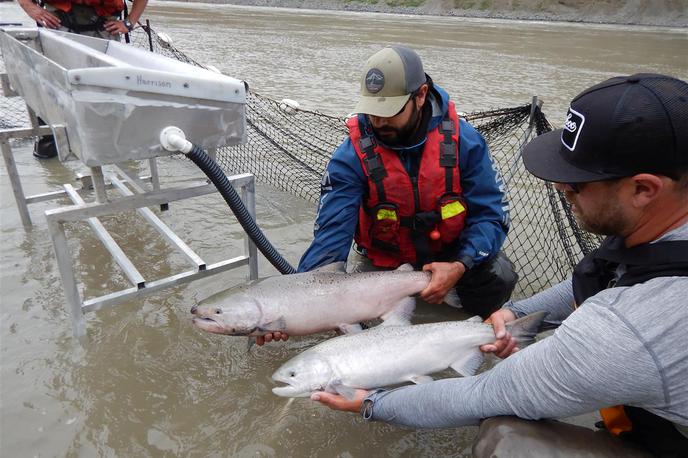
(448, 157)
(448, 152)
(372, 162)
(597, 270)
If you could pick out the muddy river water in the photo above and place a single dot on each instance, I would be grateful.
(147, 383)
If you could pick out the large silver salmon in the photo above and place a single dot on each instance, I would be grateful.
(310, 302)
(389, 355)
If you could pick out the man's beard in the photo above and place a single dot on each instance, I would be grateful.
(607, 219)
(400, 137)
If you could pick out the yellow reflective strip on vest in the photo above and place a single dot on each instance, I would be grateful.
(452, 209)
(386, 214)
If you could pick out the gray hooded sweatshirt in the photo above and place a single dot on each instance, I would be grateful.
(625, 345)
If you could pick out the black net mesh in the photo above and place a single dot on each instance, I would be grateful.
(159, 43)
(545, 242)
(12, 109)
(288, 148)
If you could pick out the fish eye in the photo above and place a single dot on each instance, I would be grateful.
(292, 374)
(218, 312)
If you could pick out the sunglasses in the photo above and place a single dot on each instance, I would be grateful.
(413, 96)
(575, 187)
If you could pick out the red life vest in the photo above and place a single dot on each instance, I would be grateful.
(102, 7)
(401, 215)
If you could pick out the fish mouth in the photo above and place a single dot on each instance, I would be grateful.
(210, 325)
(289, 391)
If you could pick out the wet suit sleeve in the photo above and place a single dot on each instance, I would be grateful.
(341, 190)
(487, 222)
(557, 301)
(585, 365)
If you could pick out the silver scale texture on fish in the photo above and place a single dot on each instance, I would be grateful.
(310, 302)
(387, 355)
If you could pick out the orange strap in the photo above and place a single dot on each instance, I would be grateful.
(102, 7)
(615, 420)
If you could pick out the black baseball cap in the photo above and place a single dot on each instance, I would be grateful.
(618, 128)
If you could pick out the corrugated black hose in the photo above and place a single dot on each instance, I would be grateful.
(219, 179)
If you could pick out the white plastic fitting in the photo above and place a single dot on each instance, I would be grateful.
(172, 138)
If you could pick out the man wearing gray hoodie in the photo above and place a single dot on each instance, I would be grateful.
(621, 161)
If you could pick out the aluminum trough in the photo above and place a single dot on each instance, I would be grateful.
(114, 99)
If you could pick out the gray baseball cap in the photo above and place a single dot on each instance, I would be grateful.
(389, 78)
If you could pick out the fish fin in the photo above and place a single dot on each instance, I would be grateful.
(452, 298)
(475, 319)
(350, 328)
(251, 342)
(338, 267)
(420, 379)
(401, 314)
(524, 329)
(405, 268)
(346, 391)
(468, 363)
(280, 324)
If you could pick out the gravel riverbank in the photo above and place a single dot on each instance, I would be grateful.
(668, 13)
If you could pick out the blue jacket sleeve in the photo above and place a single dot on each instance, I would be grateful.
(341, 191)
(487, 222)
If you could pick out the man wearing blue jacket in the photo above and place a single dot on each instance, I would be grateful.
(415, 184)
(621, 161)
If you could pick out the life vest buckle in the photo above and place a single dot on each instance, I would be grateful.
(448, 154)
(424, 222)
(366, 143)
(375, 167)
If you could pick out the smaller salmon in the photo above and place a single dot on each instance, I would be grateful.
(384, 356)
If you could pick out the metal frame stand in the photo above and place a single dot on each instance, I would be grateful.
(131, 200)
(133, 196)
(116, 188)
(12, 173)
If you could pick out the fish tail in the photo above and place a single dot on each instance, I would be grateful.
(524, 329)
(452, 298)
(251, 342)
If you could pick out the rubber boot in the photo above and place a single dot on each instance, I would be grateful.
(45, 148)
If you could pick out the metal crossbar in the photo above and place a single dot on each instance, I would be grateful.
(133, 200)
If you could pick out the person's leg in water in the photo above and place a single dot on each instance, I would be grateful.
(45, 147)
(487, 286)
(359, 263)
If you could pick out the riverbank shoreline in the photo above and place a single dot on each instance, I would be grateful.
(659, 13)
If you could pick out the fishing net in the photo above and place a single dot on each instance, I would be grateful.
(289, 147)
(545, 241)
(13, 112)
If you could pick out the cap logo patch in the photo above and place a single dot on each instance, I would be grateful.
(572, 129)
(374, 81)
